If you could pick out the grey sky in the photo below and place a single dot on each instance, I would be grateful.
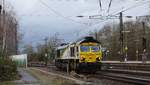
(41, 18)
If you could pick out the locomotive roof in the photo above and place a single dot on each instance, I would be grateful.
(62, 47)
(87, 39)
(79, 41)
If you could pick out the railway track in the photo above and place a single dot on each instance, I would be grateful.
(135, 77)
(128, 76)
(130, 65)
(133, 72)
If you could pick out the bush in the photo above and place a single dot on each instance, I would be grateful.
(8, 69)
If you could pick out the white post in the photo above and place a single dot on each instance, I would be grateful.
(26, 61)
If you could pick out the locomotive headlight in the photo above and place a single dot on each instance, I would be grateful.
(97, 59)
(82, 58)
(100, 58)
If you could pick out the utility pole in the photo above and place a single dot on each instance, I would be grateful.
(121, 37)
(144, 37)
(4, 30)
(0, 8)
(136, 41)
(144, 57)
(16, 38)
(46, 51)
(96, 35)
(0, 29)
(3, 27)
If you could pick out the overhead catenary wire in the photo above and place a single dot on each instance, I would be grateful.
(97, 23)
(132, 7)
(137, 5)
(100, 5)
(59, 14)
(109, 6)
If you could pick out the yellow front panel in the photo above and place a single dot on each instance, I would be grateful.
(90, 56)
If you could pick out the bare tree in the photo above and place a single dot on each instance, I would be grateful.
(8, 32)
(133, 40)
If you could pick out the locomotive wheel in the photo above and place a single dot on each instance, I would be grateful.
(72, 66)
(68, 67)
(78, 69)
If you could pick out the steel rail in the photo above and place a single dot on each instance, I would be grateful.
(123, 77)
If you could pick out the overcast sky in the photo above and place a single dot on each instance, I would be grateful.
(43, 18)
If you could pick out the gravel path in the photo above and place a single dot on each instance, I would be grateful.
(78, 81)
(26, 78)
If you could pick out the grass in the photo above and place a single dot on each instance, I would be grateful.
(45, 79)
(7, 83)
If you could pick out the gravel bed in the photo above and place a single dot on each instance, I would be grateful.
(91, 80)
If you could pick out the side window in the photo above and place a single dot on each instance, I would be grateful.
(72, 52)
(58, 53)
(77, 51)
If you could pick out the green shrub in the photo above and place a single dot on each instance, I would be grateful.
(8, 69)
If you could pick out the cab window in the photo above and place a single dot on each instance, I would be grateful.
(94, 48)
(58, 53)
(84, 48)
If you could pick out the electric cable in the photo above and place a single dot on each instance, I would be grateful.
(119, 12)
(100, 4)
(59, 14)
(137, 5)
(109, 6)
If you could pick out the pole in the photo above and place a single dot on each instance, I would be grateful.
(4, 29)
(136, 34)
(96, 35)
(144, 37)
(46, 53)
(16, 39)
(121, 36)
(144, 43)
(126, 47)
(0, 29)
(0, 8)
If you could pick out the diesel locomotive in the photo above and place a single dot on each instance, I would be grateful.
(83, 55)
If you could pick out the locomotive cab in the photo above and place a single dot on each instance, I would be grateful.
(90, 55)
